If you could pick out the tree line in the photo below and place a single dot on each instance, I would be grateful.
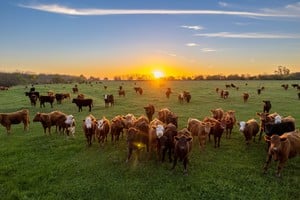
(18, 78)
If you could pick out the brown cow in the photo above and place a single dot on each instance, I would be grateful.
(121, 93)
(102, 130)
(55, 118)
(156, 131)
(7, 119)
(168, 92)
(89, 127)
(117, 126)
(166, 116)
(45, 99)
(282, 148)
(138, 90)
(183, 146)
(199, 129)
(150, 110)
(217, 130)
(249, 129)
(230, 120)
(217, 113)
(245, 97)
(136, 140)
(166, 142)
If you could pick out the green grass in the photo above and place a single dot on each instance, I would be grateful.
(36, 166)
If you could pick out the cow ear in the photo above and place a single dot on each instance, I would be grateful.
(189, 139)
(258, 114)
(176, 138)
(283, 139)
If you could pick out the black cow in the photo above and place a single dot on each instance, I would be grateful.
(83, 102)
(109, 99)
(59, 97)
(267, 106)
(44, 99)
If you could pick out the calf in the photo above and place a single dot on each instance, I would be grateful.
(117, 126)
(249, 129)
(168, 92)
(230, 120)
(83, 102)
(183, 146)
(245, 97)
(217, 130)
(7, 119)
(150, 110)
(102, 130)
(267, 106)
(217, 113)
(75, 90)
(282, 148)
(44, 99)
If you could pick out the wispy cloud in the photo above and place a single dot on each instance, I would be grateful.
(59, 9)
(222, 4)
(208, 50)
(249, 35)
(191, 45)
(193, 27)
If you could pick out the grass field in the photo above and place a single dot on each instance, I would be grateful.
(36, 166)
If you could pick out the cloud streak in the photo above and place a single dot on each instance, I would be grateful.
(59, 9)
(193, 27)
(249, 35)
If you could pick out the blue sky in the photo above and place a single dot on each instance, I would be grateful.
(179, 37)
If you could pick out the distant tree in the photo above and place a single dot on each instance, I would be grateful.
(281, 70)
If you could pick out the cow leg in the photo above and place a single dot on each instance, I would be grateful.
(170, 155)
(215, 140)
(267, 163)
(8, 128)
(279, 168)
(185, 162)
(260, 134)
(174, 162)
(129, 154)
(90, 108)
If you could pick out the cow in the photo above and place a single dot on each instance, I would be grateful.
(182, 148)
(156, 131)
(32, 93)
(83, 103)
(166, 141)
(138, 90)
(68, 125)
(117, 126)
(54, 118)
(285, 86)
(102, 130)
(282, 148)
(265, 118)
(230, 120)
(149, 110)
(7, 119)
(89, 127)
(217, 130)
(75, 90)
(199, 129)
(267, 106)
(224, 94)
(166, 116)
(109, 100)
(184, 96)
(136, 140)
(33, 99)
(168, 92)
(80, 96)
(45, 99)
(217, 113)
(121, 93)
(249, 129)
(59, 97)
(245, 97)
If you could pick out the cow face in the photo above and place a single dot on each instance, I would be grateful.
(159, 130)
(276, 146)
(242, 126)
(37, 117)
(207, 126)
(182, 144)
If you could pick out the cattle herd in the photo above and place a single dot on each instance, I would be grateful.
(160, 135)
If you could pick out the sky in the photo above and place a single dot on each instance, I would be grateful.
(176, 37)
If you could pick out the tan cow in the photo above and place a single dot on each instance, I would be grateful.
(7, 119)
(282, 148)
(249, 129)
(102, 130)
(55, 118)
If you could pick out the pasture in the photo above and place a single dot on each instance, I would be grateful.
(37, 166)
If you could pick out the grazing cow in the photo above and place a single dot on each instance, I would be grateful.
(7, 119)
(217, 130)
(136, 140)
(3, 88)
(89, 127)
(267, 106)
(102, 130)
(75, 90)
(109, 100)
(59, 97)
(117, 126)
(199, 129)
(182, 148)
(150, 110)
(166, 142)
(121, 93)
(168, 92)
(138, 90)
(285, 86)
(54, 118)
(282, 148)
(245, 97)
(227, 85)
(45, 99)
(83, 102)
(224, 94)
(217, 113)
(249, 129)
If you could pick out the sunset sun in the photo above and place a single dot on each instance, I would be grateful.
(158, 74)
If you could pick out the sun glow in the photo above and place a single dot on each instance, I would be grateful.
(157, 74)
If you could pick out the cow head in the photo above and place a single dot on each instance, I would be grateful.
(182, 144)
(242, 125)
(207, 126)
(275, 148)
